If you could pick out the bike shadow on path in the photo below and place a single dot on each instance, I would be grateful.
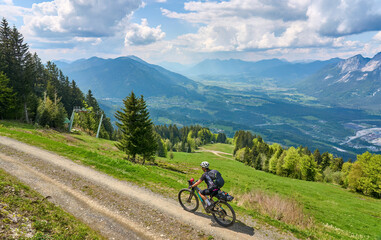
(237, 226)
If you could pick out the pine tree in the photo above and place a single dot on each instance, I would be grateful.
(76, 95)
(91, 101)
(5, 46)
(317, 157)
(21, 82)
(7, 97)
(148, 143)
(136, 129)
(128, 123)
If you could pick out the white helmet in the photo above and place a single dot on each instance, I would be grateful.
(204, 164)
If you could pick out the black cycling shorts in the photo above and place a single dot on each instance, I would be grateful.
(209, 191)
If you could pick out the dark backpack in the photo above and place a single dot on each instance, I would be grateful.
(216, 178)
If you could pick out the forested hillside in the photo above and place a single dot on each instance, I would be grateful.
(364, 175)
(36, 93)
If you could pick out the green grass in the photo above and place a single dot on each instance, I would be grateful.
(338, 213)
(40, 219)
(227, 148)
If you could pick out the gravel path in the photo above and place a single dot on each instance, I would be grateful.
(117, 209)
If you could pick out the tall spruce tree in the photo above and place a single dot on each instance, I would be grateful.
(137, 136)
(91, 101)
(21, 81)
(7, 97)
(5, 46)
(148, 143)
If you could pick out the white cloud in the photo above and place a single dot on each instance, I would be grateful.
(142, 34)
(249, 25)
(78, 18)
(92, 41)
(344, 17)
(377, 37)
(7, 2)
(11, 12)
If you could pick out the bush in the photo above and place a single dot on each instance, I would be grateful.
(51, 113)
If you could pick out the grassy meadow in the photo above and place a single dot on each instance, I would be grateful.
(328, 211)
(25, 215)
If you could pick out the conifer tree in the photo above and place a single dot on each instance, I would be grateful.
(147, 139)
(128, 121)
(317, 157)
(137, 135)
(7, 97)
(91, 101)
(5, 46)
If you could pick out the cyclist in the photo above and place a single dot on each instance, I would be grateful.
(212, 189)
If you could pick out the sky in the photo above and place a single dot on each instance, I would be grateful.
(188, 32)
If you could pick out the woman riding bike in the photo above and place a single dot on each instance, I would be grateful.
(212, 189)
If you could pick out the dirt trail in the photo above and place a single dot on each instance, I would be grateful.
(117, 209)
(218, 153)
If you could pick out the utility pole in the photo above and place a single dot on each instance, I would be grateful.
(100, 123)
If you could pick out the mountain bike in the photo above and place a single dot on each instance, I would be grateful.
(222, 212)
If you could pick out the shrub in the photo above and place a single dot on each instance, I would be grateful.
(51, 113)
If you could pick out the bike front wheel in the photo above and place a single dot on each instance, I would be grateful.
(188, 200)
(224, 214)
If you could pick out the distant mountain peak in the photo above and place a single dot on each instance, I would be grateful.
(133, 57)
(352, 64)
(118, 77)
(377, 56)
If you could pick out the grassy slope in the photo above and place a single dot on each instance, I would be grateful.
(35, 217)
(338, 213)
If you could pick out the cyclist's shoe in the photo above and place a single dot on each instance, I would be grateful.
(210, 208)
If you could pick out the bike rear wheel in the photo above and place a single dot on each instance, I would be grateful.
(188, 200)
(224, 214)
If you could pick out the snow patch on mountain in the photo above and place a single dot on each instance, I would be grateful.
(362, 77)
(351, 64)
(344, 78)
(378, 90)
(371, 66)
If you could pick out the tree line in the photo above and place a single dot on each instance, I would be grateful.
(36, 93)
(364, 175)
(187, 138)
(139, 137)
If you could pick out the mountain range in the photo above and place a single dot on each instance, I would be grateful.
(354, 82)
(236, 98)
(281, 72)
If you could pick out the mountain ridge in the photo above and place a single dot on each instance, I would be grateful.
(118, 77)
(354, 82)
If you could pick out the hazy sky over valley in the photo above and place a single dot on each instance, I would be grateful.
(190, 31)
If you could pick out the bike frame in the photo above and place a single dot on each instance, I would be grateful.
(198, 194)
(197, 190)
